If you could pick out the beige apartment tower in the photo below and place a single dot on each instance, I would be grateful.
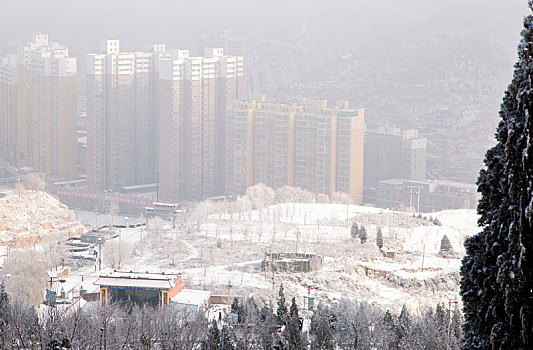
(38, 108)
(194, 93)
(121, 117)
(308, 144)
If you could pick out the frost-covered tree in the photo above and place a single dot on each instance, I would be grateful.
(497, 280)
(388, 334)
(379, 238)
(251, 312)
(322, 328)
(236, 308)
(4, 315)
(282, 314)
(27, 276)
(363, 235)
(268, 326)
(227, 339)
(354, 231)
(116, 253)
(404, 323)
(445, 246)
(294, 328)
(213, 337)
(34, 182)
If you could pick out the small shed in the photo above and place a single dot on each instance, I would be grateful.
(192, 298)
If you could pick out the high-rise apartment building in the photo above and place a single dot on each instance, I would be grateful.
(193, 96)
(308, 144)
(38, 108)
(393, 153)
(121, 117)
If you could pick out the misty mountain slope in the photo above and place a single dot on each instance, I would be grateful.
(442, 73)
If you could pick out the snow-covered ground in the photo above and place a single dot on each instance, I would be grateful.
(223, 253)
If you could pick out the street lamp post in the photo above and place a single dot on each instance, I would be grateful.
(309, 305)
(451, 300)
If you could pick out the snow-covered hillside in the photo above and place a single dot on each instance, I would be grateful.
(31, 217)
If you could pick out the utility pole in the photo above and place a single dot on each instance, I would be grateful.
(99, 240)
(157, 187)
(141, 240)
(410, 197)
(347, 212)
(423, 255)
(297, 238)
(418, 204)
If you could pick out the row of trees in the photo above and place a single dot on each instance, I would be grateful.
(361, 233)
(344, 325)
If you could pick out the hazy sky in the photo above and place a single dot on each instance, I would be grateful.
(83, 23)
(427, 64)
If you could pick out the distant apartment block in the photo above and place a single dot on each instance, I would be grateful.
(394, 153)
(194, 93)
(121, 117)
(309, 144)
(38, 108)
(426, 196)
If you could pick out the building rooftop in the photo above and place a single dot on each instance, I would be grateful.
(137, 279)
(191, 297)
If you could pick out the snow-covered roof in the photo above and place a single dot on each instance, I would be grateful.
(137, 280)
(191, 297)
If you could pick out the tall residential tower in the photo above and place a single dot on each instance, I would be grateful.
(194, 93)
(38, 108)
(121, 117)
(308, 144)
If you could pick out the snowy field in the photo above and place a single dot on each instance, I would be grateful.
(222, 252)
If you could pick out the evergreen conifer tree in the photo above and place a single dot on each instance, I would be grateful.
(354, 232)
(445, 246)
(251, 312)
(322, 328)
(4, 314)
(213, 338)
(441, 325)
(404, 323)
(267, 326)
(389, 335)
(379, 238)
(294, 327)
(282, 314)
(363, 236)
(238, 309)
(235, 305)
(497, 280)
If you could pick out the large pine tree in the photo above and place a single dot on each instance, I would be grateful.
(497, 279)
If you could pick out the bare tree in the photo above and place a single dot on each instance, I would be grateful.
(33, 182)
(26, 277)
(116, 253)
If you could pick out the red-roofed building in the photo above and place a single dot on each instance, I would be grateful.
(155, 289)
